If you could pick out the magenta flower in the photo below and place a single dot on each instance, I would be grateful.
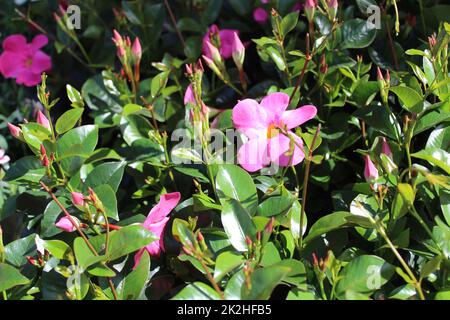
(262, 124)
(4, 159)
(77, 198)
(24, 61)
(156, 222)
(226, 37)
(370, 171)
(65, 224)
(42, 120)
(260, 15)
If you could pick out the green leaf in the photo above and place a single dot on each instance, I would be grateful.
(276, 57)
(10, 277)
(411, 100)
(68, 120)
(181, 232)
(440, 139)
(17, 250)
(235, 183)
(364, 274)
(328, 223)
(237, 223)
(294, 222)
(109, 173)
(356, 33)
(127, 240)
(58, 249)
(108, 197)
(225, 263)
(197, 291)
(275, 205)
(430, 120)
(380, 119)
(159, 82)
(26, 170)
(407, 193)
(234, 286)
(74, 96)
(134, 284)
(35, 135)
(263, 282)
(436, 157)
(75, 146)
(288, 23)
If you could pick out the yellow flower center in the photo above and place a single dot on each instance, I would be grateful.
(272, 131)
(28, 62)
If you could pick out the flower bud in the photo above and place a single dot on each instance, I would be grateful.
(332, 7)
(77, 198)
(15, 131)
(215, 54)
(370, 171)
(136, 50)
(385, 148)
(238, 50)
(66, 224)
(42, 120)
(310, 8)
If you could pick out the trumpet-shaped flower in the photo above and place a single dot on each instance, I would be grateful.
(370, 171)
(268, 126)
(24, 61)
(156, 222)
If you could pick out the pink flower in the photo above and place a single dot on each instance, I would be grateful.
(265, 1)
(226, 37)
(385, 148)
(262, 124)
(370, 171)
(260, 15)
(156, 222)
(66, 225)
(15, 131)
(77, 198)
(311, 3)
(24, 61)
(42, 120)
(4, 159)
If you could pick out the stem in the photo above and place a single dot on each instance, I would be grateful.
(174, 22)
(305, 184)
(211, 278)
(402, 261)
(391, 44)
(5, 297)
(420, 220)
(305, 66)
(81, 233)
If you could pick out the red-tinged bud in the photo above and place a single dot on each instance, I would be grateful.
(370, 171)
(258, 236)
(136, 50)
(92, 195)
(379, 74)
(62, 10)
(432, 41)
(15, 131)
(388, 77)
(310, 8)
(315, 260)
(238, 50)
(56, 17)
(45, 162)
(385, 148)
(248, 241)
(332, 7)
(77, 198)
(323, 64)
(31, 260)
(121, 52)
(269, 226)
(43, 151)
(187, 251)
(200, 237)
(188, 67)
(128, 41)
(117, 38)
(199, 66)
(52, 157)
(42, 120)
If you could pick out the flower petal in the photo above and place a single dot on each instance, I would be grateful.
(253, 156)
(137, 257)
(166, 204)
(38, 42)
(248, 117)
(275, 104)
(295, 118)
(41, 62)
(157, 229)
(226, 42)
(11, 64)
(4, 159)
(15, 43)
(280, 150)
(28, 78)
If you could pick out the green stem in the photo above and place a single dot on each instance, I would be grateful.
(5, 297)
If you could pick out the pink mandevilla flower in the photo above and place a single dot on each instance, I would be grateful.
(260, 15)
(262, 124)
(156, 222)
(226, 41)
(4, 159)
(65, 224)
(370, 171)
(24, 61)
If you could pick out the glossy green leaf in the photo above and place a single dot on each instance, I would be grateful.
(68, 120)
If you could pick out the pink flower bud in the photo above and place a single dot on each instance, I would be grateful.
(43, 151)
(188, 69)
(386, 149)
(370, 171)
(388, 76)
(136, 49)
(189, 95)
(215, 54)
(311, 4)
(66, 225)
(77, 198)
(260, 15)
(310, 8)
(45, 162)
(15, 131)
(117, 38)
(238, 51)
(332, 3)
(121, 52)
(379, 74)
(42, 120)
